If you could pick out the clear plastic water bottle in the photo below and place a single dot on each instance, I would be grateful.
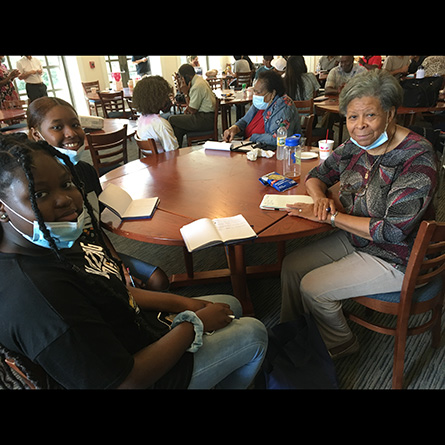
(281, 141)
(292, 158)
(420, 73)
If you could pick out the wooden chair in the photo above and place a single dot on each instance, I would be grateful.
(146, 147)
(176, 104)
(306, 128)
(100, 145)
(214, 83)
(206, 135)
(422, 291)
(304, 106)
(19, 372)
(93, 104)
(244, 78)
(113, 104)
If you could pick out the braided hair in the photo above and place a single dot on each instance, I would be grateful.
(16, 151)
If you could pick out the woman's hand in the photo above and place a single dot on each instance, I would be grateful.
(323, 207)
(318, 211)
(230, 133)
(215, 316)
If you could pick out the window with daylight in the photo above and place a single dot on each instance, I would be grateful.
(54, 76)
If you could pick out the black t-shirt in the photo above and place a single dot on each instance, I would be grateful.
(81, 327)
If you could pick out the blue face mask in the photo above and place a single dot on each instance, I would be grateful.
(258, 102)
(379, 141)
(64, 233)
(72, 154)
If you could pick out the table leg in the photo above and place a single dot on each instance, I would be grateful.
(237, 266)
(188, 260)
(224, 109)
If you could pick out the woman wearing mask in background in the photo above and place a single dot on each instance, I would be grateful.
(270, 107)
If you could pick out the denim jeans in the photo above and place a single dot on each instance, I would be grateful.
(231, 357)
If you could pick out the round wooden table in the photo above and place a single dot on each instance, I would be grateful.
(194, 183)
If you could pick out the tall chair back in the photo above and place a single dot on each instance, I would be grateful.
(108, 150)
(422, 291)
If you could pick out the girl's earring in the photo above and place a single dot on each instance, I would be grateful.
(4, 217)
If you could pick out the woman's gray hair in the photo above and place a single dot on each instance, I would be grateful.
(374, 83)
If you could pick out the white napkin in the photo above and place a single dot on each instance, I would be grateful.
(253, 154)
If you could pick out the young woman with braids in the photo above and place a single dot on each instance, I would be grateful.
(65, 306)
(56, 121)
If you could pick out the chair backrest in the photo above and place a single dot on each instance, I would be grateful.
(101, 145)
(214, 83)
(244, 78)
(306, 127)
(427, 259)
(88, 85)
(146, 147)
(114, 105)
(19, 372)
(304, 106)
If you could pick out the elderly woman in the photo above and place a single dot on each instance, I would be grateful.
(270, 108)
(387, 177)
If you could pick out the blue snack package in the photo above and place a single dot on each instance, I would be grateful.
(277, 181)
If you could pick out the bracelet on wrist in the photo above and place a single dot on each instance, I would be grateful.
(333, 216)
(191, 317)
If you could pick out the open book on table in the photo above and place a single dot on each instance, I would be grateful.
(279, 202)
(122, 204)
(229, 146)
(206, 232)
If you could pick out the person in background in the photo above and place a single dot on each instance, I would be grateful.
(341, 74)
(279, 65)
(270, 107)
(151, 95)
(326, 63)
(241, 65)
(193, 60)
(200, 112)
(266, 66)
(7, 90)
(387, 176)
(434, 66)
(397, 65)
(142, 65)
(31, 72)
(56, 121)
(299, 84)
(371, 62)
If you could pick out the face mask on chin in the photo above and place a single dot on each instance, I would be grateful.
(72, 154)
(379, 141)
(64, 233)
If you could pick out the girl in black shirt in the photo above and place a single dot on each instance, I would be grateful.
(64, 303)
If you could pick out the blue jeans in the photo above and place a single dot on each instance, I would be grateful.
(231, 357)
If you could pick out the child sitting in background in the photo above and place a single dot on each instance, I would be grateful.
(150, 96)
